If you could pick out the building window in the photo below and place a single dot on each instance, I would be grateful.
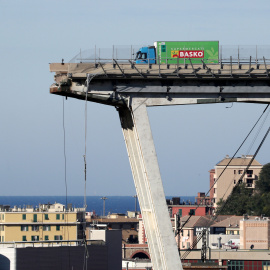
(266, 263)
(192, 212)
(58, 227)
(180, 212)
(58, 237)
(35, 218)
(234, 171)
(3, 239)
(215, 190)
(2, 228)
(24, 216)
(234, 181)
(35, 238)
(240, 171)
(3, 217)
(46, 227)
(63, 216)
(46, 216)
(24, 228)
(35, 227)
(236, 265)
(57, 216)
(46, 237)
(24, 238)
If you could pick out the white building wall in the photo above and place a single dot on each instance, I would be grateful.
(10, 253)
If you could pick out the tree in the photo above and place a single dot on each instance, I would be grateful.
(238, 203)
(263, 184)
(243, 201)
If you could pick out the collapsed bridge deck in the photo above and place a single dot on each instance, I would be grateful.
(132, 88)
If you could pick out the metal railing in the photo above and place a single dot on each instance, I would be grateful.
(227, 55)
(51, 243)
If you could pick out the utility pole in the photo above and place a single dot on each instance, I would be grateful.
(204, 246)
(177, 231)
(104, 199)
(135, 196)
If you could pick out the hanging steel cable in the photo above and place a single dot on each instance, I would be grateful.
(229, 162)
(65, 177)
(199, 237)
(88, 80)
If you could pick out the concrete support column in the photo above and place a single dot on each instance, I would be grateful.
(147, 179)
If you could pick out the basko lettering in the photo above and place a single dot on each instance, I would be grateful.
(190, 54)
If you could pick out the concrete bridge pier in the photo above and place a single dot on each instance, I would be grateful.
(144, 165)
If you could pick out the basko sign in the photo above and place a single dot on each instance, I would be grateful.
(178, 52)
(188, 54)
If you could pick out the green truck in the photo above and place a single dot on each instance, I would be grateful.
(179, 52)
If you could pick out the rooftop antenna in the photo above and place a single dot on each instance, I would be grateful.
(135, 197)
(104, 199)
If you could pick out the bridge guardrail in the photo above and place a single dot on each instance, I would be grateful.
(254, 54)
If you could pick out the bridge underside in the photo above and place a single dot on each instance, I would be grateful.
(131, 89)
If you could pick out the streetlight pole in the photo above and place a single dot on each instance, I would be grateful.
(104, 198)
(135, 196)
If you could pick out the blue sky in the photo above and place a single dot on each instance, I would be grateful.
(190, 140)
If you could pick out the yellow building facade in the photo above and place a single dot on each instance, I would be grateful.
(41, 224)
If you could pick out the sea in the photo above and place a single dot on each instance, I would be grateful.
(113, 204)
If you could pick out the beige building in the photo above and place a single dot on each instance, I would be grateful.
(255, 233)
(234, 171)
(48, 222)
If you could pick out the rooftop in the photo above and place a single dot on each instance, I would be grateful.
(239, 161)
(232, 221)
(197, 221)
(56, 207)
(115, 220)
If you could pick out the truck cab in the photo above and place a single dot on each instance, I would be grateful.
(146, 55)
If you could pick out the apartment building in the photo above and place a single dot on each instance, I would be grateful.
(47, 222)
(228, 178)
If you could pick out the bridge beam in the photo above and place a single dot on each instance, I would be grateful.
(147, 179)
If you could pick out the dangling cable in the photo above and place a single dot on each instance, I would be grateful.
(259, 130)
(86, 254)
(65, 157)
(85, 141)
(228, 163)
(65, 176)
(225, 202)
(88, 80)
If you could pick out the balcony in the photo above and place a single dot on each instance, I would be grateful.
(250, 176)
(249, 185)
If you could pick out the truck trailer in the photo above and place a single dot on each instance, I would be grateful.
(179, 52)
